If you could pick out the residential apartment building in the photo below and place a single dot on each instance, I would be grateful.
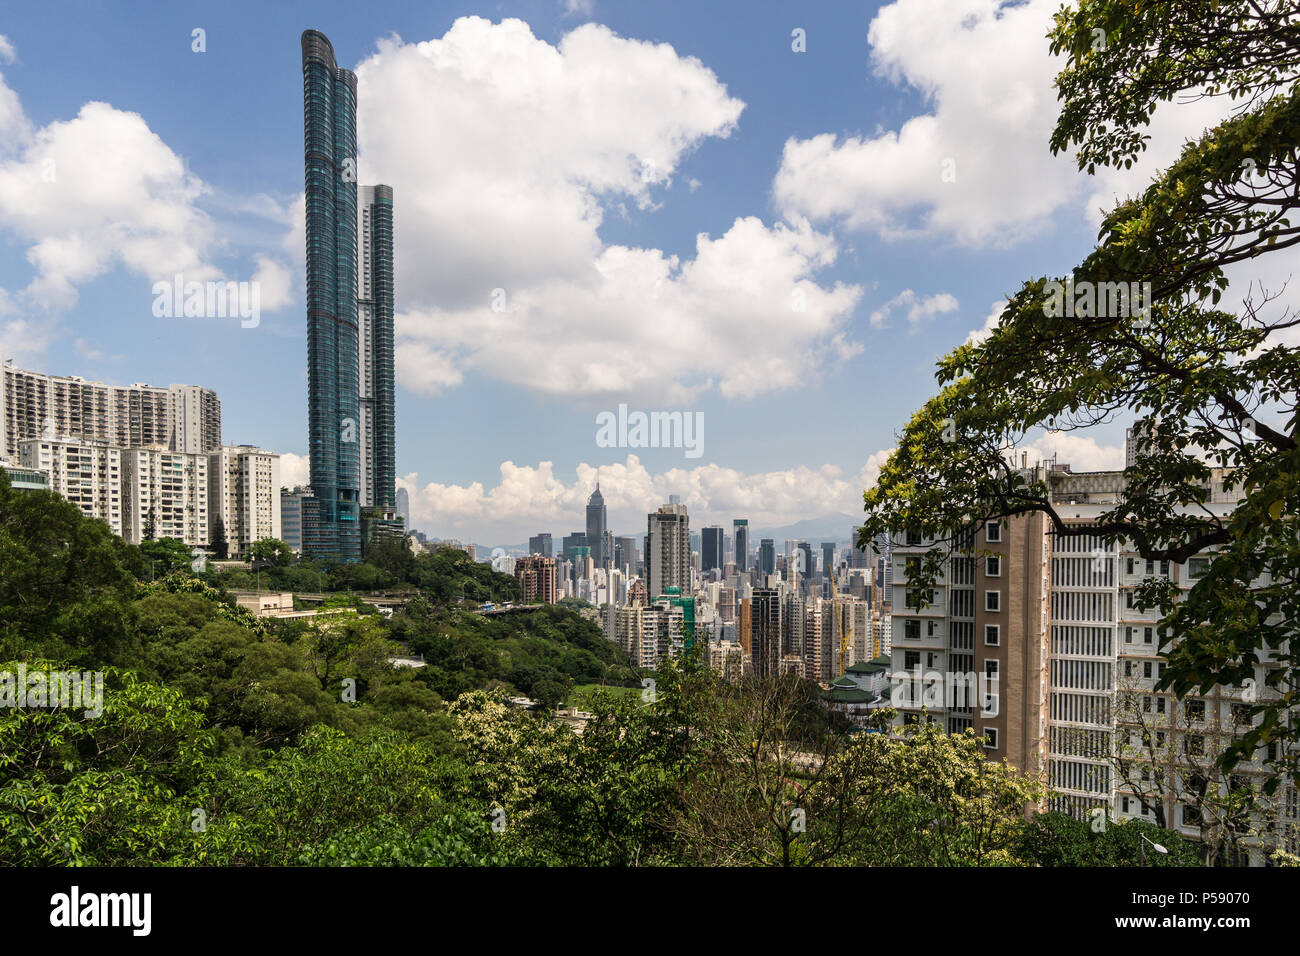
(244, 493)
(86, 473)
(668, 550)
(165, 495)
(538, 579)
(183, 418)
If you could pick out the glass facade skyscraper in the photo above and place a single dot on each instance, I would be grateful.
(330, 159)
(375, 337)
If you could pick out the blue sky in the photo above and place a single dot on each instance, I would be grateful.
(565, 159)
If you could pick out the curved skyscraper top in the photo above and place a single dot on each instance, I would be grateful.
(332, 528)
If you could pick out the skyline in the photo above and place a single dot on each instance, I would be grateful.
(589, 230)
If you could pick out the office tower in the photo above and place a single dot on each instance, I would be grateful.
(1138, 438)
(625, 553)
(165, 495)
(291, 517)
(244, 492)
(333, 410)
(404, 507)
(375, 341)
(183, 418)
(668, 555)
(538, 579)
(804, 562)
(740, 531)
(86, 473)
(597, 520)
(571, 541)
(765, 631)
(541, 544)
(767, 556)
(711, 549)
(828, 559)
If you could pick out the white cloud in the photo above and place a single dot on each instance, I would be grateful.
(574, 8)
(7, 52)
(1075, 449)
(995, 314)
(527, 499)
(976, 167)
(918, 309)
(275, 283)
(294, 469)
(503, 152)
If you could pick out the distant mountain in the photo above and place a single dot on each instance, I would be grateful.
(833, 527)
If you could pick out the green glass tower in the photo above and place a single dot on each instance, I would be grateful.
(332, 530)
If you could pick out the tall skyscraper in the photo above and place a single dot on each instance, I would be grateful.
(333, 396)
(765, 631)
(767, 556)
(375, 341)
(668, 550)
(625, 553)
(404, 507)
(828, 558)
(541, 544)
(597, 520)
(740, 531)
(711, 548)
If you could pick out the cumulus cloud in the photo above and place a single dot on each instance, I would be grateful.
(919, 309)
(527, 499)
(294, 469)
(975, 167)
(995, 313)
(1076, 449)
(504, 152)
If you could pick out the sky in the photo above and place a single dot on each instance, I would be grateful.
(773, 219)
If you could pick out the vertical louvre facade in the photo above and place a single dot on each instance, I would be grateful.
(375, 315)
(330, 159)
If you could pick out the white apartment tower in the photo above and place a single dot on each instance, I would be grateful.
(244, 492)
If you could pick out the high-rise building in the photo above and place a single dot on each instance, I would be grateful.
(740, 531)
(87, 473)
(668, 554)
(571, 542)
(711, 548)
(184, 418)
(541, 544)
(625, 553)
(404, 507)
(765, 631)
(538, 579)
(375, 341)
(291, 517)
(828, 559)
(244, 492)
(767, 556)
(333, 376)
(165, 495)
(597, 520)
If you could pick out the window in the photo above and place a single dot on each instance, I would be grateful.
(930, 659)
(1128, 599)
(1160, 735)
(992, 600)
(1146, 635)
(1132, 566)
(912, 630)
(1146, 669)
(911, 659)
(1164, 568)
(1128, 635)
(929, 628)
(1160, 705)
(1195, 745)
(992, 634)
(913, 538)
(1128, 668)
(1196, 567)
(992, 531)
(1194, 709)
(993, 566)
(1151, 566)
(990, 738)
(991, 669)
(1124, 804)
(1241, 714)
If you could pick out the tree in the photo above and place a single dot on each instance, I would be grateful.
(220, 546)
(1217, 390)
(271, 550)
(150, 525)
